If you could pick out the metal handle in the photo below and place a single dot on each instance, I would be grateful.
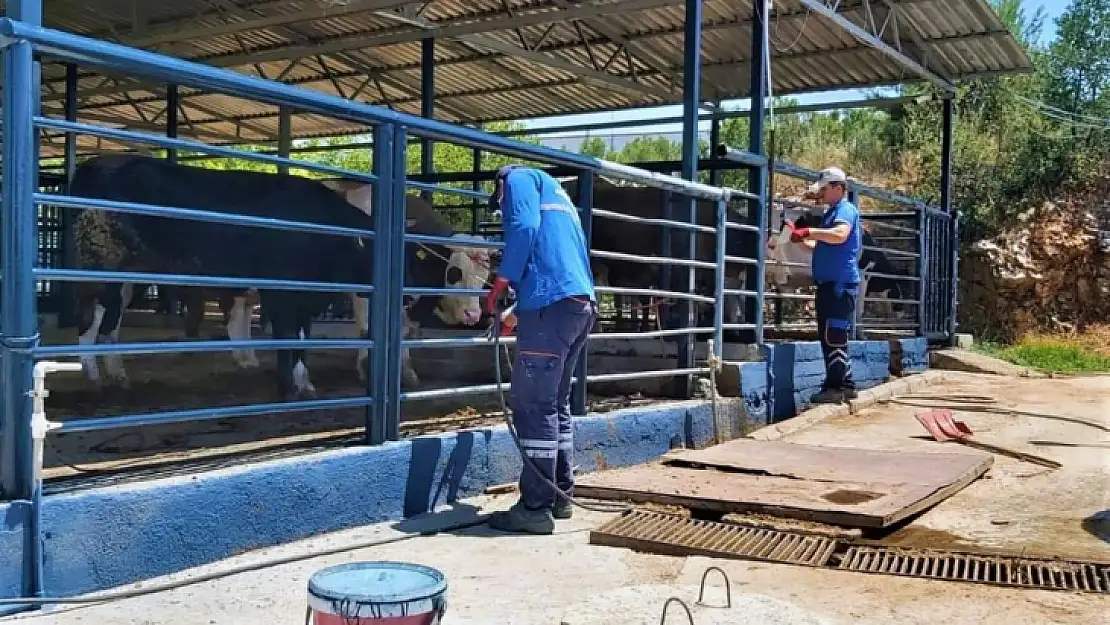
(689, 615)
(728, 586)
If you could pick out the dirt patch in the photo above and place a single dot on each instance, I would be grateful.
(851, 497)
(921, 537)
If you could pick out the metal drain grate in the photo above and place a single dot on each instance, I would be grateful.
(999, 570)
(679, 536)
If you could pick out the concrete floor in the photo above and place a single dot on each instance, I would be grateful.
(496, 578)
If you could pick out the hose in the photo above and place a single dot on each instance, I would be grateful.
(247, 568)
(984, 404)
(605, 508)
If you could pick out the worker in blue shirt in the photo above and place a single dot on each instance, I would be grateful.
(836, 245)
(546, 260)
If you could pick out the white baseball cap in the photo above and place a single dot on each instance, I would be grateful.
(828, 174)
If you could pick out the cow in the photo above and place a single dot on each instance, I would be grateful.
(129, 242)
(788, 265)
(614, 235)
(463, 266)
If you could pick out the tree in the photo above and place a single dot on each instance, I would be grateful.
(595, 147)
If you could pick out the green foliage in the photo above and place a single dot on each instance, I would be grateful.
(1051, 354)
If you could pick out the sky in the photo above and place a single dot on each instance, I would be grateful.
(1053, 9)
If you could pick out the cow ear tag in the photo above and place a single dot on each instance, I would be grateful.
(421, 254)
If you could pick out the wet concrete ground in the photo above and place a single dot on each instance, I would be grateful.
(496, 578)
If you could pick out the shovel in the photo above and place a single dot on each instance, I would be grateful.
(943, 428)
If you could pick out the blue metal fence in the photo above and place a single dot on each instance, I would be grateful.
(19, 339)
(914, 238)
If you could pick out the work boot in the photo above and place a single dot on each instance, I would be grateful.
(833, 396)
(521, 519)
(562, 509)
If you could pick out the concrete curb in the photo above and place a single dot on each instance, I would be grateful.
(866, 399)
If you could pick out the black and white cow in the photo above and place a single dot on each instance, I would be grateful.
(127, 242)
(640, 239)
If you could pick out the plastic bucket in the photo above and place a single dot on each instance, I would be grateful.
(377, 593)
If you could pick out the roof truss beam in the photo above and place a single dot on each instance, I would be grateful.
(595, 76)
(868, 39)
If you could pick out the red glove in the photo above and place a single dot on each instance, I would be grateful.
(797, 235)
(499, 286)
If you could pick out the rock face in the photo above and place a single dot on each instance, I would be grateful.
(1050, 272)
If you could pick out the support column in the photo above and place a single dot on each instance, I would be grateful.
(172, 104)
(585, 215)
(18, 321)
(388, 207)
(285, 136)
(67, 258)
(476, 185)
(691, 96)
(427, 105)
(946, 204)
(714, 141)
(757, 176)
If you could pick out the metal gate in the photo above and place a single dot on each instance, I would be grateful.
(940, 262)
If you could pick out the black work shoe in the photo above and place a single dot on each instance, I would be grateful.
(562, 509)
(828, 396)
(521, 519)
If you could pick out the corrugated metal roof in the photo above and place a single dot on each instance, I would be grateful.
(508, 59)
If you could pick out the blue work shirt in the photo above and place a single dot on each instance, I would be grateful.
(839, 264)
(546, 258)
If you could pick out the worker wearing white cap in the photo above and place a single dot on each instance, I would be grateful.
(836, 245)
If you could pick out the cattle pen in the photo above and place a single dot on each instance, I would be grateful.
(130, 461)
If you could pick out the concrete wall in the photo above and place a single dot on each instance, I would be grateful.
(106, 537)
(798, 369)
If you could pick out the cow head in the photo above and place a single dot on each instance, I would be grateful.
(467, 268)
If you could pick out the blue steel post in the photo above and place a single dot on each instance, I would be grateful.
(719, 281)
(172, 104)
(285, 136)
(691, 96)
(923, 270)
(382, 314)
(585, 215)
(396, 283)
(757, 176)
(714, 141)
(476, 185)
(67, 313)
(427, 105)
(667, 251)
(948, 120)
(18, 250)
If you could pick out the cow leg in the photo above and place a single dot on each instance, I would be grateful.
(292, 372)
(361, 308)
(117, 300)
(409, 379)
(90, 316)
(239, 329)
(192, 299)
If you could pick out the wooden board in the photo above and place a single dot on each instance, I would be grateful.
(849, 487)
(810, 462)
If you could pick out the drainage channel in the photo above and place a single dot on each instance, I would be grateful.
(668, 534)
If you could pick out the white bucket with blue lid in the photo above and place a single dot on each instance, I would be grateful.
(377, 593)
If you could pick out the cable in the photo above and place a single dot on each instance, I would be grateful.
(247, 568)
(605, 508)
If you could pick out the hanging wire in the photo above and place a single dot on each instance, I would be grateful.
(1054, 109)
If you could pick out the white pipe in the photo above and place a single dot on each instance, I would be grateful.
(40, 425)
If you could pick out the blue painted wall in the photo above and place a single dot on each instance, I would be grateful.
(111, 536)
(798, 369)
(909, 355)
